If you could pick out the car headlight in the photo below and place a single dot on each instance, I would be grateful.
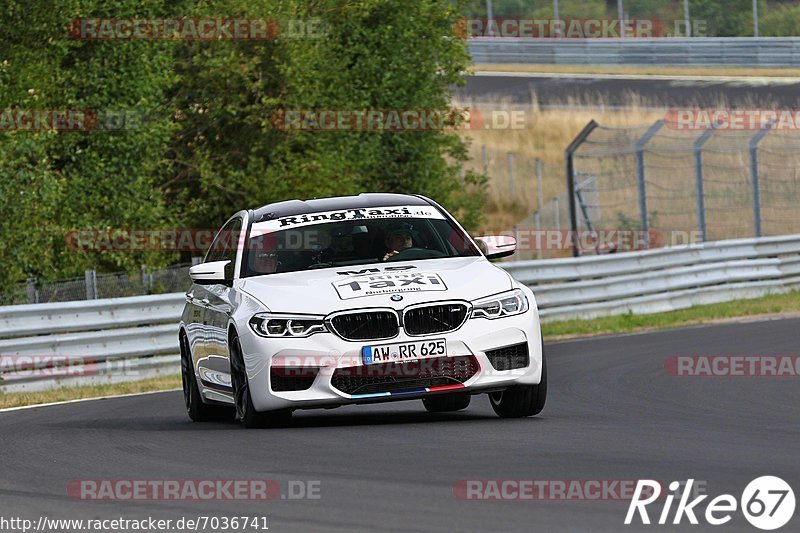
(500, 305)
(282, 325)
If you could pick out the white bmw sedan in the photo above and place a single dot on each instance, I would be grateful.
(352, 300)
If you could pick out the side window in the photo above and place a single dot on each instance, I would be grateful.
(225, 245)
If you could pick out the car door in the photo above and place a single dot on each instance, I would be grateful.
(214, 369)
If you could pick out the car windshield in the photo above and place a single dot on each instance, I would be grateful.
(352, 237)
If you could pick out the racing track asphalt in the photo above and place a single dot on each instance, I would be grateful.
(611, 91)
(612, 413)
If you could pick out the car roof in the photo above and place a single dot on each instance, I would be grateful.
(317, 205)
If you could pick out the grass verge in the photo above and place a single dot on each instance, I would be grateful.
(765, 72)
(767, 306)
(773, 305)
(17, 399)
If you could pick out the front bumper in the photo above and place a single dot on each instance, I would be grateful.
(328, 352)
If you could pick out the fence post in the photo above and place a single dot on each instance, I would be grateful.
(539, 172)
(755, 177)
(147, 280)
(579, 199)
(557, 211)
(537, 217)
(640, 177)
(569, 157)
(31, 291)
(90, 280)
(485, 160)
(511, 174)
(698, 164)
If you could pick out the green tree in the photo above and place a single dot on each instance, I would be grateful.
(55, 181)
(725, 18)
(203, 144)
(376, 54)
(782, 20)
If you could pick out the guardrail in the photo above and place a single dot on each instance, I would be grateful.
(690, 51)
(86, 342)
(131, 338)
(659, 280)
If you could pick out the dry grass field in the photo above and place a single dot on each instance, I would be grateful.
(669, 168)
(546, 134)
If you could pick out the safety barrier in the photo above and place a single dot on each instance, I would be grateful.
(43, 345)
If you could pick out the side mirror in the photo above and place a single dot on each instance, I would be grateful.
(212, 273)
(497, 246)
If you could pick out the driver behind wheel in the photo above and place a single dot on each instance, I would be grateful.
(399, 238)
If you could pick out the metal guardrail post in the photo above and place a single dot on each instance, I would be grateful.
(511, 173)
(686, 17)
(569, 157)
(539, 176)
(489, 16)
(537, 217)
(754, 141)
(30, 289)
(699, 189)
(557, 215)
(640, 176)
(556, 16)
(90, 280)
(756, 32)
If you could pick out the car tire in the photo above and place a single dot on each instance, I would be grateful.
(198, 410)
(245, 411)
(521, 400)
(446, 403)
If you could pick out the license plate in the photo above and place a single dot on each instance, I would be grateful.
(404, 351)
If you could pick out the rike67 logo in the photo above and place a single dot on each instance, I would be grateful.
(767, 502)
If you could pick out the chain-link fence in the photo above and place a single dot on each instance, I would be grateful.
(691, 185)
(94, 286)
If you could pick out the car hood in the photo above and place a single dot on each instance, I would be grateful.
(327, 290)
